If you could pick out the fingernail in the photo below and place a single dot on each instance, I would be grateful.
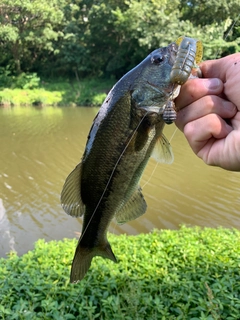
(212, 84)
(230, 106)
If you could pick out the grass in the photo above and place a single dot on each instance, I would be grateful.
(87, 92)
(191, 273)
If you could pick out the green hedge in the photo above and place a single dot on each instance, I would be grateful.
(191, 273)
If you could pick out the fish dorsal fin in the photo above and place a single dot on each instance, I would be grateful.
(162, 151)
(133, 208)
(71, 194)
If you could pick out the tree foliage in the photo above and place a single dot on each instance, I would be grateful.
(27, 29)
(107, 37)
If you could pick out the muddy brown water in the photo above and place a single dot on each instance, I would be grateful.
(39, 148)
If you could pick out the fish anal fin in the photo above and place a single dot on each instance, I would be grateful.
(83, 258)
(162, 151)
(71, 194)
(133, 208)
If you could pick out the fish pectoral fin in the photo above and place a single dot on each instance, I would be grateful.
(133, 208)
(71, 194)
(162, 151)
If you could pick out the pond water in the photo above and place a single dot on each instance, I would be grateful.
(40, 146)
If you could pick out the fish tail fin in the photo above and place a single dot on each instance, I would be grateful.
(81, 263)
(83, 258)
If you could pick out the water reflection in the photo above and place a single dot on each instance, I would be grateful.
(39, 148)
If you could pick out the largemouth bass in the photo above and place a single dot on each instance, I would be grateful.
(125, 133)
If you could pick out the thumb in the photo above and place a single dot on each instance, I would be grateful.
(220, 68)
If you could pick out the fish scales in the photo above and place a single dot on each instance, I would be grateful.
(125, 133)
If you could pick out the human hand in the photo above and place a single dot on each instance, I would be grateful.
(209, 113)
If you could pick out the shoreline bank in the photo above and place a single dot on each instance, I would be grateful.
(87, 92)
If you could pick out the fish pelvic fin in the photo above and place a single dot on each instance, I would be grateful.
(83, 258)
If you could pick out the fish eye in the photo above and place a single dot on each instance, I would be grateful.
(157, 58)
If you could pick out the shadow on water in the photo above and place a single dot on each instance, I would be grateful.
(39, 148)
